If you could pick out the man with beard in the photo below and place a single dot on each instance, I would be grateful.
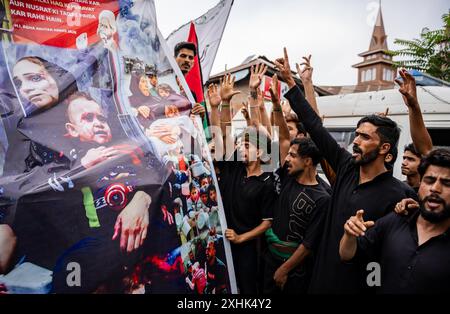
(414, 252)
(215, 271)
(297, 221)
(410, 165)
(298, 214)
(362, 182)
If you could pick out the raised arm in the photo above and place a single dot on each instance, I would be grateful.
(265, 121)
(420, 136)
(305, 74)
(253, 105)
(217, 134)
(330, 149)
(245, 113)
(279, 120)
(256, 74)
(226, 93)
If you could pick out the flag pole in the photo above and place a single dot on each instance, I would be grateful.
(206, 120)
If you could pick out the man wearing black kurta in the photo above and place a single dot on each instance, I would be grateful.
(362, 182)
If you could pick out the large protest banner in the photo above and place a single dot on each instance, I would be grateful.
(107, 184)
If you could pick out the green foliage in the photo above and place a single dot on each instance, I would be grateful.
(430, 53)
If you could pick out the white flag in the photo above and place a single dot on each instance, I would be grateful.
(209, 28)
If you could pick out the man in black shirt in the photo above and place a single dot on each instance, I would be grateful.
(297, 130)
(248, 199)
(410, 165)
(362, 182)
(246, 190)
(215, 271)
(414, 252)
(297, 221)
(300, 206)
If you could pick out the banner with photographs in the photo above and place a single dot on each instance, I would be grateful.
(107, 184)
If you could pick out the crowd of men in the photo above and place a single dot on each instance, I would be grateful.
(291, 232)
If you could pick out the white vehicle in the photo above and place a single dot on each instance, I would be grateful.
(342, 113)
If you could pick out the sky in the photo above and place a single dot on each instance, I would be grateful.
(334, 32)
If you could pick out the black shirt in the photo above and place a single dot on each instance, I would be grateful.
(247, 201)
(299, 211)
(377, 197)
(415, 188)
(324, 184)
(406, 267)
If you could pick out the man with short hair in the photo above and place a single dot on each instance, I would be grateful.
(185, 53)
(297, 221)
(413, 252)
(215, 271)
(410, 165)
(246, 190)
(296, 128)
(362, 182)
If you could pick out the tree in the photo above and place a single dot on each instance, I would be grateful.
(429, 54)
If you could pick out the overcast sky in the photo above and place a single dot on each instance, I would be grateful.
(333, 31)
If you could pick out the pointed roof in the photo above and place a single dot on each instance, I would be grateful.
(379, 34)
(378, 41)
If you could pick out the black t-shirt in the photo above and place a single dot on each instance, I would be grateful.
(416, 189)
(299, 211)
(406, 267)
(324, 184)
(247, 201)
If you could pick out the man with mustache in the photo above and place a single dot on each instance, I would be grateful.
(185, 54)
(410, 165)
(362, 182)
(297, 221)
(414, 251)
(298, 213)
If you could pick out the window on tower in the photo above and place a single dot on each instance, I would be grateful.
(388, 75)
(369, 75)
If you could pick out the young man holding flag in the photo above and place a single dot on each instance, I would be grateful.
(185, 54)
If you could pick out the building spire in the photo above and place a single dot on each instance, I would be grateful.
(379, 38)
(376, 71)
